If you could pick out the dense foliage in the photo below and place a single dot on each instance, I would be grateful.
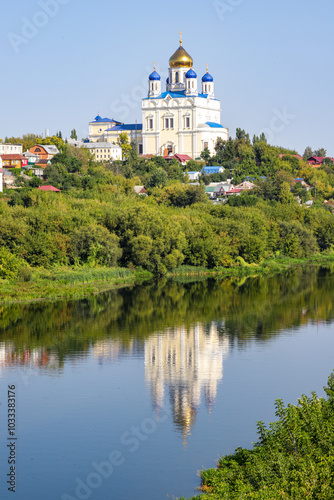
(294, 457)
(99, 220)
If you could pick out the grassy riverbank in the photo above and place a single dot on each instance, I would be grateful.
(294, 457)
(76, 282)
(243, 269)
(65, 282)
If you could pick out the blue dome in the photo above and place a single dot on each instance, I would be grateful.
(191, 74)
(167, 81)
(154, 76)
(97, 118)
(207, 78)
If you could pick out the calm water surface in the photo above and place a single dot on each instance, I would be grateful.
(126, 395)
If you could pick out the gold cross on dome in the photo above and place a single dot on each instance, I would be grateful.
(180, 37)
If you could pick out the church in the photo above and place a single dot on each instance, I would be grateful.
(182, 119)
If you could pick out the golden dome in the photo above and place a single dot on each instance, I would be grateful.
(181, 58)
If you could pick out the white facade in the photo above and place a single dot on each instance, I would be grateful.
(104, 151)
(10, 149)
(181, 119)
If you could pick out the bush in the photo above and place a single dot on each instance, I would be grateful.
(10, 264)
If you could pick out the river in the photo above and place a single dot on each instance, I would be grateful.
(127, 394)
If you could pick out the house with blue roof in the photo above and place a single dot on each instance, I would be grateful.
(212, 170)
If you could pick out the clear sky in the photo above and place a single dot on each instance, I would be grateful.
(64, 61)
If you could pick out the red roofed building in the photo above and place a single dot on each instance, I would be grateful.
(234, 191)
(181, 158)
(49, 188)
(317, 161)
(295, 156)
(14, 161)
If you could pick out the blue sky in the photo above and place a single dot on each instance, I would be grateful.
(64, 61)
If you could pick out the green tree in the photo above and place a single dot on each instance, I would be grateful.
(307, 153)
(123, 141)
(206, 155)
(320, 152)
(74, 134)
(159, 178)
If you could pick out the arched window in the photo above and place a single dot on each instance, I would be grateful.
(177, 77)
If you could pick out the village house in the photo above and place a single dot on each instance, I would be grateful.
(193, 176)
(212, 170)
(44, 152)
(246, 185)
(14, 161)
(139, 189)
(10, 149)
(317, 161)
(301, 181)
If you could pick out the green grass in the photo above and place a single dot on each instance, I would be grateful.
(65, 282)
(243, 269)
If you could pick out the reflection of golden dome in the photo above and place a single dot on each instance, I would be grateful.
(181, 58)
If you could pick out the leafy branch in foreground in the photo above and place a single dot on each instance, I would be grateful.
(293, 458)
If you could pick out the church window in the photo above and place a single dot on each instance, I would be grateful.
(150, 123)
(140, 148)
(206, 145)
(187, 121)
(177, 77)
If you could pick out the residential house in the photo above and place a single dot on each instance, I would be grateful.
(10, 149)
(301, 181)
(44, 152)
(317, 161)
(295, 156)
(1, 179)
(193, 176)
(181, 158)
(139, 189)
(14, 161)
(212, 170)
(49, 188)
(234, 192)
(104, 151)
(218, 189)
(246, 185)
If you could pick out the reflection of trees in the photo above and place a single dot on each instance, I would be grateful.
(252, 308)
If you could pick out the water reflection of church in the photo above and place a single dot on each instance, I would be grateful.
(187, 363)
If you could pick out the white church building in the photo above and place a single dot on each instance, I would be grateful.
(181, 119)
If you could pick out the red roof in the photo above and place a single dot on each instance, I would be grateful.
(234, 191)
(287, 154)
(182, 157)
(12, 157)
(48, 188)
